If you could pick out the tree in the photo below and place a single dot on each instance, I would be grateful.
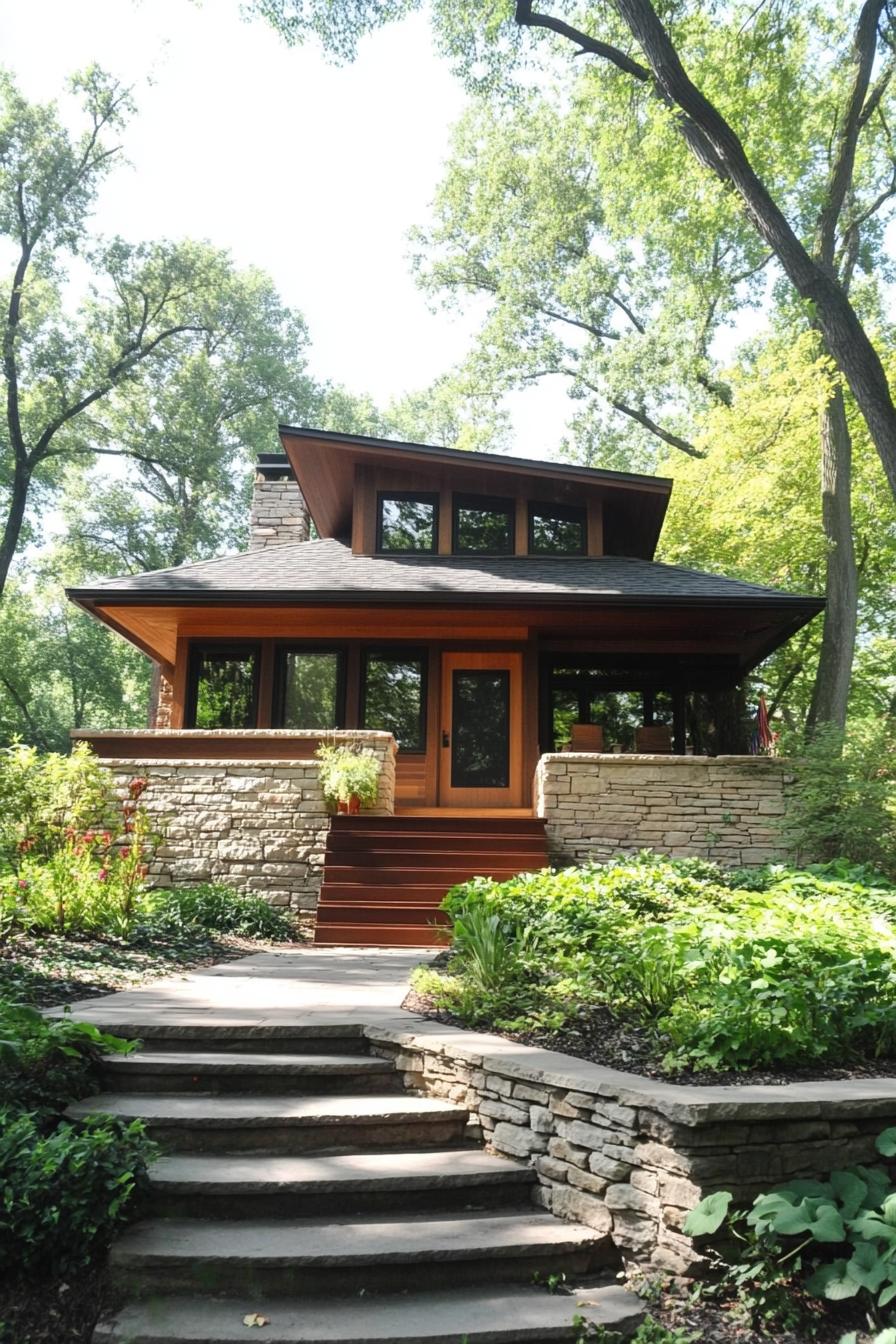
(473, 34)
(190, 435)
(62, 669)
(762, 467)
(145, 302)
(523, 220)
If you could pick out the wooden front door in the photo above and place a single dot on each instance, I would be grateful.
(481, 733)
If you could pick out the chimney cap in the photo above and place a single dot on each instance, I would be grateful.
(273, 466)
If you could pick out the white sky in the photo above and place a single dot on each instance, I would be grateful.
(312, 171)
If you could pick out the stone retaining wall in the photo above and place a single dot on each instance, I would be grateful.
(628, 1155)
(726, 808)
(258, 825)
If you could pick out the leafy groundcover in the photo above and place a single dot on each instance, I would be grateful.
(675, 967)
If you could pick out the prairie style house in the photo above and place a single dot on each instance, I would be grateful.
(487, 611)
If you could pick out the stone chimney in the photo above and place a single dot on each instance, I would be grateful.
(279, 513)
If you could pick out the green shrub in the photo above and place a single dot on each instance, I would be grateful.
(836, 1238)
(800, 967)
(843, 805)
(218, 909)
(65, 1193)
(47, 1062)
(72, 853)
(348, 772)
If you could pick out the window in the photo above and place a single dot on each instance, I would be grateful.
(223, 688)
(483, 526)
(556, 529)
(408, 523)
(394, 697)
(310, 688)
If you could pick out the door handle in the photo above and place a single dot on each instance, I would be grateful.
(446, 740)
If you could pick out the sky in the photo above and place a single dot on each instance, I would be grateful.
(312, 171)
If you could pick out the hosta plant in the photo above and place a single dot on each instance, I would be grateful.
(834, 1239)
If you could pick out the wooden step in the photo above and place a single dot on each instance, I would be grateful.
(396, 825)
(380, 912)
(478, 1315)
(379, 935)
(472, 844)
(412, 874)
(366, 1254)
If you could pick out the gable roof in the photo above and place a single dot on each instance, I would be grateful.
(327, 570)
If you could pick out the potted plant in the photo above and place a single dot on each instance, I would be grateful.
(349, 776)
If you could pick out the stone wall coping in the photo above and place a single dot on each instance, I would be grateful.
(684, 1105)
(316, 734)
(664, 759)
(135, 763)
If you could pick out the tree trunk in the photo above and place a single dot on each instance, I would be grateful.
(830, 696)
(15, 517)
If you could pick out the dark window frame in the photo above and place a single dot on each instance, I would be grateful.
(202, 648)
(483, 504)
(417, 497)
(566, 513)
(281, 650)
(398, 653)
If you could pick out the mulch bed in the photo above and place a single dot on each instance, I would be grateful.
(49, 969)
(63, 1312)
(598, 1036)
(708, 1322)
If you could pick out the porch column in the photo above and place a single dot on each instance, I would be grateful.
(679, 728)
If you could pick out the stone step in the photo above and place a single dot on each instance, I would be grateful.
(219, 1071)
(352, 1255)
(257, 1186)
(477, 1315)
(284, 1124)
(192, 1032)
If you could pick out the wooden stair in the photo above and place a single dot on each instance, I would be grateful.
(385, 877)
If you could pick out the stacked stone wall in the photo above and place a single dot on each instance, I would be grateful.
(630, 1156)
(726, 808)
(278, 514)
(259, 826)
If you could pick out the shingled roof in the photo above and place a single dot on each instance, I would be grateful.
(314, 571)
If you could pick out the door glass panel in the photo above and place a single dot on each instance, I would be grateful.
(225, 689)
(480, 730)
(394, 698)
(310, 688)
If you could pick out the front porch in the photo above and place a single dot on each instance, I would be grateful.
(246, 808)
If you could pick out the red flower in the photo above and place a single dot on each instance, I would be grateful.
(102, 874)
(124, 851)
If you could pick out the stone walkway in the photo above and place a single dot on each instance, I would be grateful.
(302, 1185)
